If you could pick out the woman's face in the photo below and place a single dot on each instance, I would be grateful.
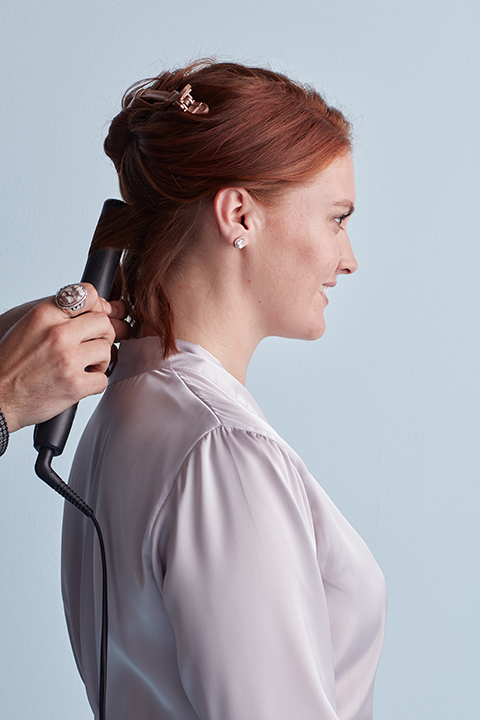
(301, 248)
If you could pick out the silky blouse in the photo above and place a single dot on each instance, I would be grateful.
(237, 590)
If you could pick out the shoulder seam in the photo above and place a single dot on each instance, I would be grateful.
(198, 398)
(156, 518)
(209, 432)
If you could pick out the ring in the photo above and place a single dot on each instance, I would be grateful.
(71, 298)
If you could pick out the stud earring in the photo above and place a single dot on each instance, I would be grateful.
(240, 243)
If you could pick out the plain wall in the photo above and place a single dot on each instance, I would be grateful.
(384, 408)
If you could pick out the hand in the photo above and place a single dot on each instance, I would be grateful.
(117, 317)
(49, 361)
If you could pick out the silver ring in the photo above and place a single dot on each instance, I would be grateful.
(71, 299)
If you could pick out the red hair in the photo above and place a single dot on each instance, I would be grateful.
(263, 132)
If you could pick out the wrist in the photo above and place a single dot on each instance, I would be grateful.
(4, 434)
(8, 406)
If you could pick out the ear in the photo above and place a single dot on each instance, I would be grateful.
(236, 213)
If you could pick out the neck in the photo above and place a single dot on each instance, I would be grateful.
(214, 314)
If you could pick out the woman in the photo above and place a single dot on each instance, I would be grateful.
(237, 590)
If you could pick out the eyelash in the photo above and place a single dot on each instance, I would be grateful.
(339, 220)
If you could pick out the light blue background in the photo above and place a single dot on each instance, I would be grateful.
(383, 409)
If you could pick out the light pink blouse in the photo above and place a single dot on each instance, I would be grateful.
(237, 590)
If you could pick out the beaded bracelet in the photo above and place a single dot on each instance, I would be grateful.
(4, 435)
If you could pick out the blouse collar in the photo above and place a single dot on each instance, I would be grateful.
(145, 354)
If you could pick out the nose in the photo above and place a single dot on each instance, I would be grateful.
(347, 263)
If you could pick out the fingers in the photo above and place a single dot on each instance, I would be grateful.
(121, 329)
(99, 321)
(93, 381)
(119, 309)
(95, 355)
(90, 326)
(116, 310)
(117, 316)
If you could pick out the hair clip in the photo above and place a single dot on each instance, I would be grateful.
(186, 102)
(163, 100)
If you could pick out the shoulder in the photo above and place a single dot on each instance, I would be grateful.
(191, 384)
(235, 484)
(182, 398)
(232, 467)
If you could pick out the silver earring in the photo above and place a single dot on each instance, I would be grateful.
(240, 243)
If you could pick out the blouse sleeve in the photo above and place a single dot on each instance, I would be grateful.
(241, 584)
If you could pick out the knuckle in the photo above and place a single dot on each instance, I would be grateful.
(41, 314)
(101, 383)
(58, 337)
(76, 384)
(106, 329)
(101, 327)
(97, 383)
(110, 333)
(105, 347)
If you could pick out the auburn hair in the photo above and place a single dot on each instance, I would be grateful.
(263, 132)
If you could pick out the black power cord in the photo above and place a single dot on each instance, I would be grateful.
(45, 472)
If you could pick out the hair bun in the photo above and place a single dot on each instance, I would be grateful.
(118, 139)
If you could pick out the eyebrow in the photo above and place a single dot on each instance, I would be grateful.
(345, 203)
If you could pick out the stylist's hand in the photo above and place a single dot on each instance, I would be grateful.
(49, 361)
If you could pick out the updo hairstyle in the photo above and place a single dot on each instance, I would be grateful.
(262, 131)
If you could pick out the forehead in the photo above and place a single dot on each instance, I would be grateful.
(336, 184)
(333, 186)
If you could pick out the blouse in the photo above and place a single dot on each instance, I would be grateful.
(237, 590)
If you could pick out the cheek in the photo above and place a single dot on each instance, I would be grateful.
(320, 262)
(330, 262)
(316, 247)
(327, 255)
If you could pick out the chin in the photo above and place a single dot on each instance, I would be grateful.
(312, 328)
(316, 335)
(314, 332)
(316, 328)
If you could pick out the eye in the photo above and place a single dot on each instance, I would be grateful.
(341, 219)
